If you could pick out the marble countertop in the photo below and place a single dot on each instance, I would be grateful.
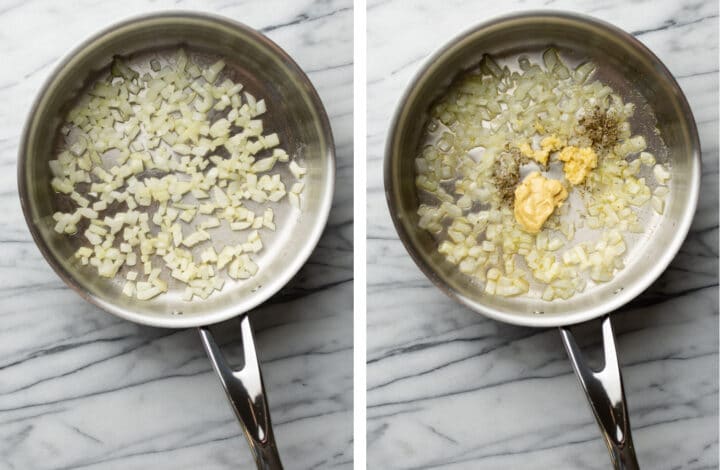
(80, 388)
(450, 389)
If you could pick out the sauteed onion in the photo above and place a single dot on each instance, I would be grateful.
(175, 153)
(491, 116)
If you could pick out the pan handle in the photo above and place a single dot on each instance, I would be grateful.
(604, 391)
(246, 394)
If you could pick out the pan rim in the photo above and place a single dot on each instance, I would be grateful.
(319, 221)
(630, 291)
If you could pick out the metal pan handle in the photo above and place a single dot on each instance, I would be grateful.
(604, 391)
(246, 394)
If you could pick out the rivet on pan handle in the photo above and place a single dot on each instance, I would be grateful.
(604, 391)
(246, 393)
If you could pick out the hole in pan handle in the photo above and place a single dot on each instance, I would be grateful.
(246, 394)
(604, 390)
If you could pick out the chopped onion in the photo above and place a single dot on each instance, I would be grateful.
(491, 110)
(149, 143)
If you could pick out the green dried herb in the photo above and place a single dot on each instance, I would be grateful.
(601, 127)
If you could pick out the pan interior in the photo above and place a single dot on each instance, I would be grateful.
(294, 113)
(634, 74)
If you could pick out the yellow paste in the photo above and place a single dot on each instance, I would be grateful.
(535, 200)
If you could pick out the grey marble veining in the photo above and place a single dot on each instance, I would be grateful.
(80, 388)
(450, 389)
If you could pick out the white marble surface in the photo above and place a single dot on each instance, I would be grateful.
(80, 388)
(449, 389)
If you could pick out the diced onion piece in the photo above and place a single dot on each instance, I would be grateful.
(195, 238)
(266, 164)
(297, 188)
(129, 289)
(647, 158)
(187, 215)
(662, 176)
(294, 200)
(212, 72)
(297, 171)
(658, 204)
(146, 290)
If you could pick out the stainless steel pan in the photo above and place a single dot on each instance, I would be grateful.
(295, 113)
(639, 76)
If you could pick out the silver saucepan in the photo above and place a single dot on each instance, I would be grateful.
(639, 76)
(295, 113)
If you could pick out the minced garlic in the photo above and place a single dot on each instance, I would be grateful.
(578, 163)
(549, 144)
